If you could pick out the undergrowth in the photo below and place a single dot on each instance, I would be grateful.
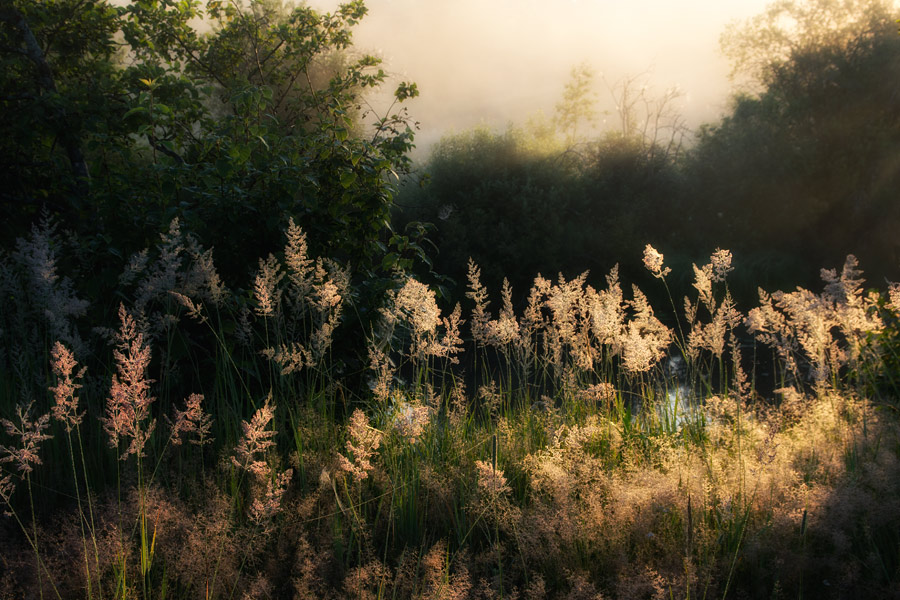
(209, 442)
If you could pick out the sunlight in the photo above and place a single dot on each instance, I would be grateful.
(515, 61)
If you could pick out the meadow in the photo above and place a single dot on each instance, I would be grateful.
(207, 441)
(244, 355)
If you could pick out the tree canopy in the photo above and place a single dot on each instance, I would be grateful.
(229, 115)
(806, 167)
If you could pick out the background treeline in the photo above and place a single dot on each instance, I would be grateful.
(118, 119)
(802, 170)
(229, 116)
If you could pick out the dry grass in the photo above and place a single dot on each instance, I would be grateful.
(567, 474)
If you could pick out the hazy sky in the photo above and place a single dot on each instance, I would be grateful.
(497, 61)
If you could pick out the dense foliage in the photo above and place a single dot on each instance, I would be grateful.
(230, 116)
(521, 205)
(806, 168)
(801, 171)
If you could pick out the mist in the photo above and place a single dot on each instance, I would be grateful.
(493, 62)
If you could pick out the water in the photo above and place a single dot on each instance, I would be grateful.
(675, 403)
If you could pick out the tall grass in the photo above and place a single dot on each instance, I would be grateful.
(207, 441)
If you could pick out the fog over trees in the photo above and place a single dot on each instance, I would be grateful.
(798, 172)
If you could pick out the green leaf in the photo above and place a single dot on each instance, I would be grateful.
(223, 167)
(390, 260)
(134, 111)
(348, 178)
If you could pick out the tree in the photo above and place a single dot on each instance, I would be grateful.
(653, 122)
(577, 104)
(806, 167)
(763, 45)
(119, 119)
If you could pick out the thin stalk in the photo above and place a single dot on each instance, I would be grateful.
(37, 554)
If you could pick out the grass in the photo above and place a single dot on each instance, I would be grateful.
(221, 444)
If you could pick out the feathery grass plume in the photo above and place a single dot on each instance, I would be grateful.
(531, 326)
(30, 433)
(740, 383)
(492, 500)
(308, 309)
(434, 565)
(606, 311)
(291, 358)
(330, 285)
(533, 320)
(490, 398)
(362, 443)
(438, 583)
(265, 287)
(711, 336)
(845, 288)
(7, 487)
(599, 394)
(724, 317)
(479, 295)
(504, 331)
(409, 419)
(25, 455)
(690, 311)
(210, 553)
(653, 262)
(854, 313)
(451, 344)
(296, 255)
(193, 420)
(65, 410)
(703, 280)
(243, 331)
(894, 296)
(311, 310)
(365, 582)
(808, 320)
(264, 509)
(771, 327)
(812, 322)
(383, 367)
(415, 305)
(161, 276)
(720, 261)
(195, 311)
(50, 296)
(459, 402)
(491, 481)
(177, 268)
(213, 288)
(255, 441)
(568, 329)
(507, 320)
(137, 265)
(645, 338)
(128, 405)
(65, 407)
